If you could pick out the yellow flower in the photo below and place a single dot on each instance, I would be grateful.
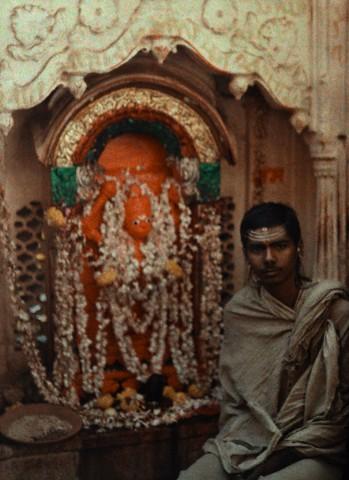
(195, 391)
(105, 401)
(173, 268)
(130, 404)
(128, 400)
(180, 398)
(106, 278)
(169, 392)
(127, 393)
(55, 217)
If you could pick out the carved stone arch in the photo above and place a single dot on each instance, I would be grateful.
(196, 114)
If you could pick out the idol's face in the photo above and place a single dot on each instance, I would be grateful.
(272, 255)
(139, 226)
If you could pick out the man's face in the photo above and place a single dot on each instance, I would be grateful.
(272, 255)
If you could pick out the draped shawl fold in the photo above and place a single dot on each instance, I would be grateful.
(281, 376)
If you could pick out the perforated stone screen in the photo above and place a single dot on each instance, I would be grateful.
(32, 265)
(227, 230)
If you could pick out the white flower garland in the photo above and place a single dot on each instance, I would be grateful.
(167, 304)
(147, 282)
(210, 308)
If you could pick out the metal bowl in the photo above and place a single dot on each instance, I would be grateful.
(39, 423)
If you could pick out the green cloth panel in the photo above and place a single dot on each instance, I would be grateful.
(132, 125)
(209, 181)
(63, 185)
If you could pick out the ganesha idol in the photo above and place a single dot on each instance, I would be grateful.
(136, 273)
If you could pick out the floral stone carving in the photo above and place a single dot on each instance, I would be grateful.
(36, 30)
(98, 17)
(260, 39)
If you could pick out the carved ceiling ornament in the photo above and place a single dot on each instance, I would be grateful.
(220, 17)
(98, 17)
(37, 32)
(261, 40)
(83, 124)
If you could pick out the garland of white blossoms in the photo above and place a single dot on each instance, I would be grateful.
(149, 283)
(210, 309)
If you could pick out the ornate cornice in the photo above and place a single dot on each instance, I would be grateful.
(45, 45)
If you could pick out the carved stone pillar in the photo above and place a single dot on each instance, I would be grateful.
(328, 245)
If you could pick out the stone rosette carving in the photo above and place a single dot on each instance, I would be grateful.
(98, 16)
(127, 98)
(36, 30)
(220, 16)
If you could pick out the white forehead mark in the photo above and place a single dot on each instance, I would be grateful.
(267, 234)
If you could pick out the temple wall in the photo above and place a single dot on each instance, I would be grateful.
(272, 164)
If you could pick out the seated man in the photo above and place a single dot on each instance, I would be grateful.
(284, 365)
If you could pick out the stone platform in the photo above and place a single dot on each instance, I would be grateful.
(148, 454)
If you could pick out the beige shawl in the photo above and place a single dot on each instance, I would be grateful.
(280, 374)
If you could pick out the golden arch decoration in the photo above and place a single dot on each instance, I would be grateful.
(100, 111)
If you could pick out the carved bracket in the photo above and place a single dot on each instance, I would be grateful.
(6, 122)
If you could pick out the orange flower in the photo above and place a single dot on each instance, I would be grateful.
(195, 391)
(105, 401)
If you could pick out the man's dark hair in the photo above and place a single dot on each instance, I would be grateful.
(271, 214)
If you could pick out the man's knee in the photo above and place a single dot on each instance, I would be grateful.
(208, 467)
(305, 469)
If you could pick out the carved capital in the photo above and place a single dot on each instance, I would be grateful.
(323, 146)
(325, 167)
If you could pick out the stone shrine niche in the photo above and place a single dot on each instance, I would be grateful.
(136, 256)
